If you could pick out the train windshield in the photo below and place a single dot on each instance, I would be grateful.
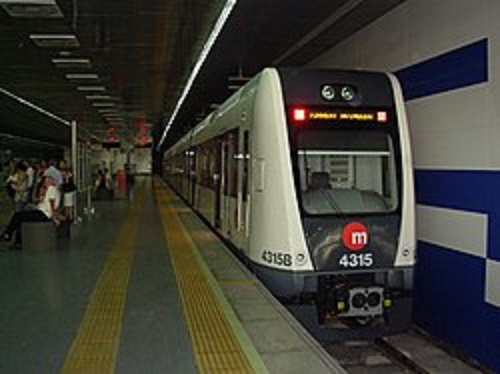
(346, 172)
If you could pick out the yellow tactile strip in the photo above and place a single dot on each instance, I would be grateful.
(215, 345)
(95, 346)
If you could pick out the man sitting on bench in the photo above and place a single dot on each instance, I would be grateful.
(45, 210)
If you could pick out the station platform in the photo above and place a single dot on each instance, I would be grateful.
(143, 286)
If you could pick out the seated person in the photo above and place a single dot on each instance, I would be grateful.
(319, 179)
(45, 210)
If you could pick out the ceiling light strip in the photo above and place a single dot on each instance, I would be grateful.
(67, 61)
(35, 107)
(82, 76)
(224, 15)
(91, 88)
(33, 2)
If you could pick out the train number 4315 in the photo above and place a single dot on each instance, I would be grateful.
(356, 260)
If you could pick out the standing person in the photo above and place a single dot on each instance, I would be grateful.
(46, 210)
(69, 193)
(18, 183)
(121, 184)
(9, 181)
(38, 184)
(30, 172)
(103, 185)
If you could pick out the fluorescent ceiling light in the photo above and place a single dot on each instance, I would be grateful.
(91, 88)
(111, 114)
(102, 105)
(55, 40)
(98, 97)
(82, 76)
(31, 8)
(68, 62)
(24, 2)
(108, 110)
(224, 15)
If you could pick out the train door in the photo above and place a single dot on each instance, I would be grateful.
(192, 175)
(229, 201)
(243, 207)
(217, 181)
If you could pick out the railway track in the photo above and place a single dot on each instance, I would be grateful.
(403, 353)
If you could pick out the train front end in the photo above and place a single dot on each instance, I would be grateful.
(353, 179)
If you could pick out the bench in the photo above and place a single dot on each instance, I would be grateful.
(42, 236)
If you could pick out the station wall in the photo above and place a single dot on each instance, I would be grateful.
(139, 159)
(445, 54)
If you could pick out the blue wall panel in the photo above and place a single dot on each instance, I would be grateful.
(461, 67)
(475, 191)
(449, 303)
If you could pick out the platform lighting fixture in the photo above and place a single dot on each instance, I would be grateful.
(108, 110)
(31, 8)
(33, 106)
(224, 15)
(55, 40)
(98, 97)
(68, 62)
(103, 105)
(91, 88)
(82, 76)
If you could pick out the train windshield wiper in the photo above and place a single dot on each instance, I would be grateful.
(331, 201)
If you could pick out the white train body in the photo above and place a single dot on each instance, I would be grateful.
(308, 174)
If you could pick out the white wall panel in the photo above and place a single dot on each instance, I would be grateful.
(438, 26)
(415, 31)
(392, 50)
(465, 232)
(492, 289)
(450, 130)
(493, 97)
(359, 52)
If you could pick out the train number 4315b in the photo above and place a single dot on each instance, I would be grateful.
(277, 258)
(356, 260)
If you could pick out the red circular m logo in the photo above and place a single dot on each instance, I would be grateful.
(355, 236)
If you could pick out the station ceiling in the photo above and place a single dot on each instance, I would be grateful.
(124, 63)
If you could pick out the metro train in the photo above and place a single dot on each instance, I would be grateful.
(307, 173)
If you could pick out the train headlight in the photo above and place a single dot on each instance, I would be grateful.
(359, 300)
(348, 93)
(328, 92)
(374, 299)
